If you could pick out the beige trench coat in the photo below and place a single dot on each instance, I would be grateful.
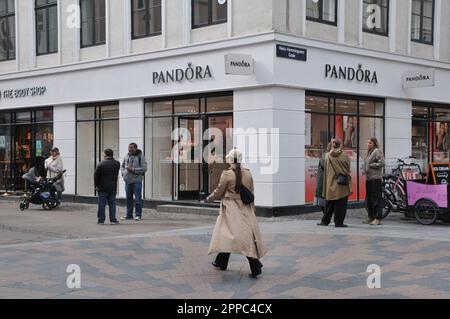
(236, 229)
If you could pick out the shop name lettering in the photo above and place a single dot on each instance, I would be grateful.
(20, 93)
(351, 74)
(420, 77)
(178, 75)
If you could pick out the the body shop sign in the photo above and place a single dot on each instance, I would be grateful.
(189, 73)
(10, 94)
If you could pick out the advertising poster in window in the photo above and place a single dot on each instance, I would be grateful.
(441, 150)
(2, 142)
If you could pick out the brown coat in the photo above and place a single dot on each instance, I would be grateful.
(336, 162)
(236, 229)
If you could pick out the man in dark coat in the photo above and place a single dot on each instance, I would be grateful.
(105, 179)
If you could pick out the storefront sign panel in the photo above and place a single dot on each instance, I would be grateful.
(22, 92)
(239, 64)
(188, 73)
(418, 78)
(417, 191)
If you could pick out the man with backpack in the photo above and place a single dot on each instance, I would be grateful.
(133, 169)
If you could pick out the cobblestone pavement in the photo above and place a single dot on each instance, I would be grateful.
(164, 256)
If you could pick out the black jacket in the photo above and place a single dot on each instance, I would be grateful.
(106, 174)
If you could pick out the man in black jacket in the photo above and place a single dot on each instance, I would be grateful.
(105, 179)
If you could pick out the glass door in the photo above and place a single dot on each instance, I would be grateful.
(188, 181)
(218, 143)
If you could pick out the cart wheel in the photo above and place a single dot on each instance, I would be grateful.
(426, 211)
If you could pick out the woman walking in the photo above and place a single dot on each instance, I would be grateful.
(54, 166)
(236, 229)
(337, 184)
(373, 168)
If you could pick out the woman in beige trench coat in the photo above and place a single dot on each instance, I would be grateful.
(236, 229)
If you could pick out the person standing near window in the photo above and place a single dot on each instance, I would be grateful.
(337, 184)
(134, 166)
(373, 168)
(318, 198)
(105, 179)
(54, 166)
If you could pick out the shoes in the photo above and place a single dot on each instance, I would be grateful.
(217, 266)
(114, 222)
(138, 218)
(376, 222)
(367, 221)
(341, 226)
(126, 218)
(100, 223)
(255, 274)
(322, 224)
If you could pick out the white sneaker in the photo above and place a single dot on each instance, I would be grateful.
(138, 218)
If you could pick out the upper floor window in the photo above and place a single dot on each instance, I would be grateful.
(7, 30)
(324, 11)
(146, 18)
(422, 21)
(46, 26)
(376, 16)
(92, 22)
(208, 12)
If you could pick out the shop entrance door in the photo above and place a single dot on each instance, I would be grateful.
(188, 168)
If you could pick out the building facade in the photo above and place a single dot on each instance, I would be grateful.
(175, 76)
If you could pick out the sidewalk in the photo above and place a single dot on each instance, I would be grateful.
(165, 256)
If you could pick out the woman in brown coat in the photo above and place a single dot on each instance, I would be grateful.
(236, 229)
(336, 194)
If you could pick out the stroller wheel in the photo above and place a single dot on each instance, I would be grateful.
(46, 206)
(23, 206)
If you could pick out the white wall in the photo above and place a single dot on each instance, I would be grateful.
(282, 109)
(131, 130)
(64, 121)
(398, 126)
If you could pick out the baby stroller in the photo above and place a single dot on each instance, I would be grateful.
(41, 193)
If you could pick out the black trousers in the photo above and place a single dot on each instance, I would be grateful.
(338, 208)
(223, 258)
(374, 200)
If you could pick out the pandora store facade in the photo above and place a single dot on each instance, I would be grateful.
(281, 97)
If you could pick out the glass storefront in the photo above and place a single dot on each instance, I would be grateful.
(186, 140)
(97, 129)
(430, 134)
(24, 136)
(353, 120)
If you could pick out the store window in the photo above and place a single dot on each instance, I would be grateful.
(178, 134)
(46, 26)
(7, 30)
(24, 136)
(97, 129)
(146, 18)
(93, 22)
(430, 134)
(354, 120)
(323, 11)
(422, 21)
(208, 12)
(376, 16)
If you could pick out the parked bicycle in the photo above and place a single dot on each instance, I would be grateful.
(394, 191)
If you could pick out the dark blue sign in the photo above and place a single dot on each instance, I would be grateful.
(284, 51)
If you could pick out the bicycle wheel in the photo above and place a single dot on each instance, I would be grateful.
(426, 211)
(386, 198)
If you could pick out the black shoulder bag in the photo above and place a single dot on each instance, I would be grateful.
(247, 196)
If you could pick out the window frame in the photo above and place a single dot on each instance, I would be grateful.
(42, 7)
(320, 19)
(147, 25)
(210, 21)
(373, 31)
(422, 2)
(94, 29)
(7, 16)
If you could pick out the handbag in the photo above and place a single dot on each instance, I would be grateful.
(247, 196)
(341, 178)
